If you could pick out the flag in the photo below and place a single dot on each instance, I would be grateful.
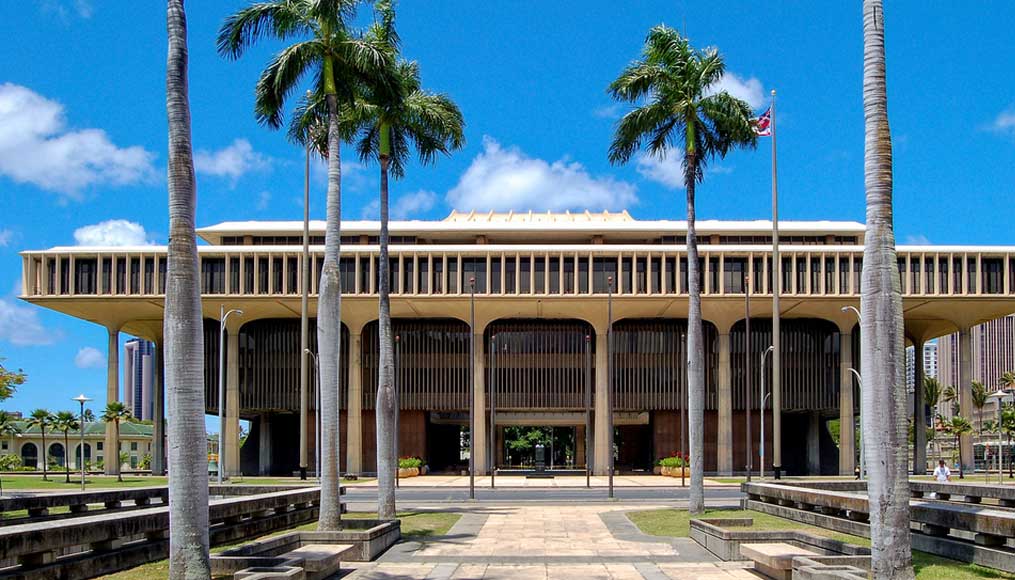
(763, 124)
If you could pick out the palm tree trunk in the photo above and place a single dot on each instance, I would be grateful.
(119, 464)
(695, 350)
(184, 334)
(66, 457)
(329, 325)
(385, 413)
(45, 456)
(882, 344)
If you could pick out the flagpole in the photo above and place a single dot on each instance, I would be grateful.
(776, 336)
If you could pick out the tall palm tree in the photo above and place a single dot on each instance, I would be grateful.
(672, 86)
(882, 341)
(114, 413)
(394, 119)
(183, 328)
(1007, 380)
(979, 396)
(950, 395)
(957, 426)
(66, 421)
(42, 419)
(338, 60)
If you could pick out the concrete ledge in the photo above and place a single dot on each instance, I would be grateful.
(716, 536)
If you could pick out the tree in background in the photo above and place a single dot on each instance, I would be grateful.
(337, 60)
(677, 106)
(958, 426)
(42, 419)
(66, 421)
(114, 413)
(9, 381)
(932, 397)
(979, 399)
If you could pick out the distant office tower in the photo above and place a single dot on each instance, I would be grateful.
(929, 363)
(993, 354)
(138, 373)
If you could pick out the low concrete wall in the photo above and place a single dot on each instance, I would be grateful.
(723, 537)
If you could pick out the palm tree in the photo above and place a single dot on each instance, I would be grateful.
(882, 342)
(183, 329)
(66, 421)
(338, 60)
(42, 419)
(672, 87)
(89, 416)
(931, 397)
(958, 426)
(1008, 428)
(1007, 380)
(950, 395)
(392, 121)
(114, 413)
(979, 399)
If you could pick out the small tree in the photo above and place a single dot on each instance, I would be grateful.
(9, 381)
(1008, 428)
(114, 413)
(42, 419)
(958, 426)
(66, 421)
(932, 396)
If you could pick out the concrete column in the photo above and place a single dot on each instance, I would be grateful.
(159, 412)
(847, 422)
(579, 445)
(814, 444)
(724, 442)
(231, 438)
(601, 452)
(919, 419)
(479, 406)
(110, 447)
(354, 411)
(965, 393)
(264, 446)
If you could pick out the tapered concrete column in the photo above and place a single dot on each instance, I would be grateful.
(264, 446)
(965, 393)
(814, 444)
(111, 447)
(919, 419)
(601, 451)
(159, 413)
(231, 439)
(724, 443)
(579, 445)
(354, 411)
(479, 406)
(847, 421)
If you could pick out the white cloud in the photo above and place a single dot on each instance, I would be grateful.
(263, 199)
(89, 358)
(608, 111)
(63, 8)
(667, 169)
(112, 233)
(506, 179)
(5, 237)
(232, 162)
(917, 240)
(20, 325)
(37, 147)
(410, 205)
(748, 90)
(1005, 122)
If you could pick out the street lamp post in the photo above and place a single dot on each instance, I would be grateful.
(747, 372)
(609, 379)
(398, 406)
(317, 422)
(82, 399)
(764, 398)
(1001, 396)
(588, 411)
(472, 390)
(223, 317)
(863, 460)
(491, 441)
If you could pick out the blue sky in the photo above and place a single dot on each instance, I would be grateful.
(83, 130)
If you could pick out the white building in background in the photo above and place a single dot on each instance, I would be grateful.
(138, 374)
(929, 363)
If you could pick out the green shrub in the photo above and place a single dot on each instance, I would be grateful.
(10, 463)
(409, 462)
(673, 462)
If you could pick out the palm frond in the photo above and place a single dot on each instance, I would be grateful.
(651, 121)
(281, 19)
(281, 77)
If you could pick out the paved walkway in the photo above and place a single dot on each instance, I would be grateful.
(550, 542)
(559, 481)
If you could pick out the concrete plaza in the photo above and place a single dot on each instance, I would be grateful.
(551, 541)
(563, 481)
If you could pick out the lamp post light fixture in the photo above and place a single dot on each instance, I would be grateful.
(223, 317)
(82, 399)
(764, 398)
(609, 384)
(317, 422)
(863, 460)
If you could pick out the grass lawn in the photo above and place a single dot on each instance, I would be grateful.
(670, 522)
(416, 525)
(56, 482)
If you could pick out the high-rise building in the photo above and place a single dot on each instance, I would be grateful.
(993, 353)
(929, 363)
(138, 373)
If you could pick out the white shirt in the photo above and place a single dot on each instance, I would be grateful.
(942, 473)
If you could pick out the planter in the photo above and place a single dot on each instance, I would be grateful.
(404, 472)
(657, 470)
(676, 471)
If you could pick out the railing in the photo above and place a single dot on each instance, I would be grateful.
(504, 270)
